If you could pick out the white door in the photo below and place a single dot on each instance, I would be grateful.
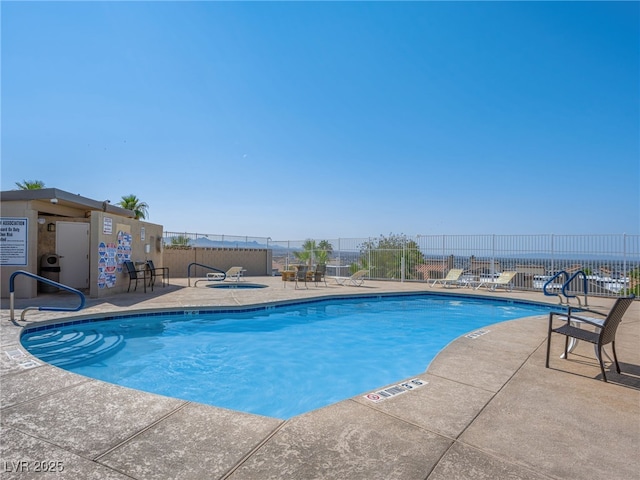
(72, 245)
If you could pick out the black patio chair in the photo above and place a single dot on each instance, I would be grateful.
(135, 274)
(605, 329)
(301, 274)
(319, 274)
(153, 271)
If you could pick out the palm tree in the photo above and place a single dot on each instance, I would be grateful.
(314, 252)
(133, 203)
(180, 241)
(309, 248)
(326, 247)
(30, 185)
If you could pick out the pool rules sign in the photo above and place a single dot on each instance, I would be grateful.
(13, 241)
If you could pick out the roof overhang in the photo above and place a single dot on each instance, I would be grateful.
(60, 197)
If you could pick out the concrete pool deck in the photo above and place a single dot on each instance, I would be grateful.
(490, 408)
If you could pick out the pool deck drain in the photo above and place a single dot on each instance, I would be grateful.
(488, 409)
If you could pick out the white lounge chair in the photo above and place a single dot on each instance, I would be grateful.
(504, 280)
(232, 273)
(356, 279)
(453, 277)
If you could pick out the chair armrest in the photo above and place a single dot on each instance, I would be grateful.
(564, 315)
(584, 310)
(596, 322)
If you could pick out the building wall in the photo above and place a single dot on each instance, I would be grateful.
(41, 242)
(24, 287)
(111, 239)
(255, 261)
(107, 231)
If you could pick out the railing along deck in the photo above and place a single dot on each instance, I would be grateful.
(48, 282)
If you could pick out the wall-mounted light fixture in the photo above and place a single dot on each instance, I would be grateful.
(54, 201)
(51, 227)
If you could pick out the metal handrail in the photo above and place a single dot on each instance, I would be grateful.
(550, 282)
(48, 282)
(203, 266)
(585, 287)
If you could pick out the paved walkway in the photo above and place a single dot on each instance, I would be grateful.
(490, 410)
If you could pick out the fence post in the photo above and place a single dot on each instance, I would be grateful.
(266, 253)
(553, 261)
(493, 256)
(288, 250)
(625, 274)
(444, 249)
(402, 260)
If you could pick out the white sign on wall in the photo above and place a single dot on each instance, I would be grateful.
(107, 226)
(13, 241)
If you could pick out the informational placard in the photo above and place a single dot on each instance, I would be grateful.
(13, 241)
(107, 225)
(107, 264)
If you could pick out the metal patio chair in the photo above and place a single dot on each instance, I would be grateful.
(504, 280)
(452, 278)
(301, 274)
(234, 273)
(135, 274)
(356, 280)
(164, 272)
(605, 329)
(319, 274)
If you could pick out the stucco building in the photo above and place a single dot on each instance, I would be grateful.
(84, 241)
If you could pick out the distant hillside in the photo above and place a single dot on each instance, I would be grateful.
(204, 242)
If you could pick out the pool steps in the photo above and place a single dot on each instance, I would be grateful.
(77, 347)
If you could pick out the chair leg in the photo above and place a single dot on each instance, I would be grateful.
(135, 287)
(566, 347)
(599, 354)
(548, 345)
(615, 357)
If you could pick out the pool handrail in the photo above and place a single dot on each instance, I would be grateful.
(203, 266)
(585, 287)
(48, 282)
(550, 282)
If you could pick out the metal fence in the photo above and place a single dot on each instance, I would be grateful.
(610, 264)
(207, 240)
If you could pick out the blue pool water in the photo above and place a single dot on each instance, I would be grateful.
(277, 361)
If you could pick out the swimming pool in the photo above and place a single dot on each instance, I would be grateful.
(278, 361)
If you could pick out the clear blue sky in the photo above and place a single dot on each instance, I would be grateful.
(326, 120)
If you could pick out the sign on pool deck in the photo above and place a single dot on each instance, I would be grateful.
(380, 395)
